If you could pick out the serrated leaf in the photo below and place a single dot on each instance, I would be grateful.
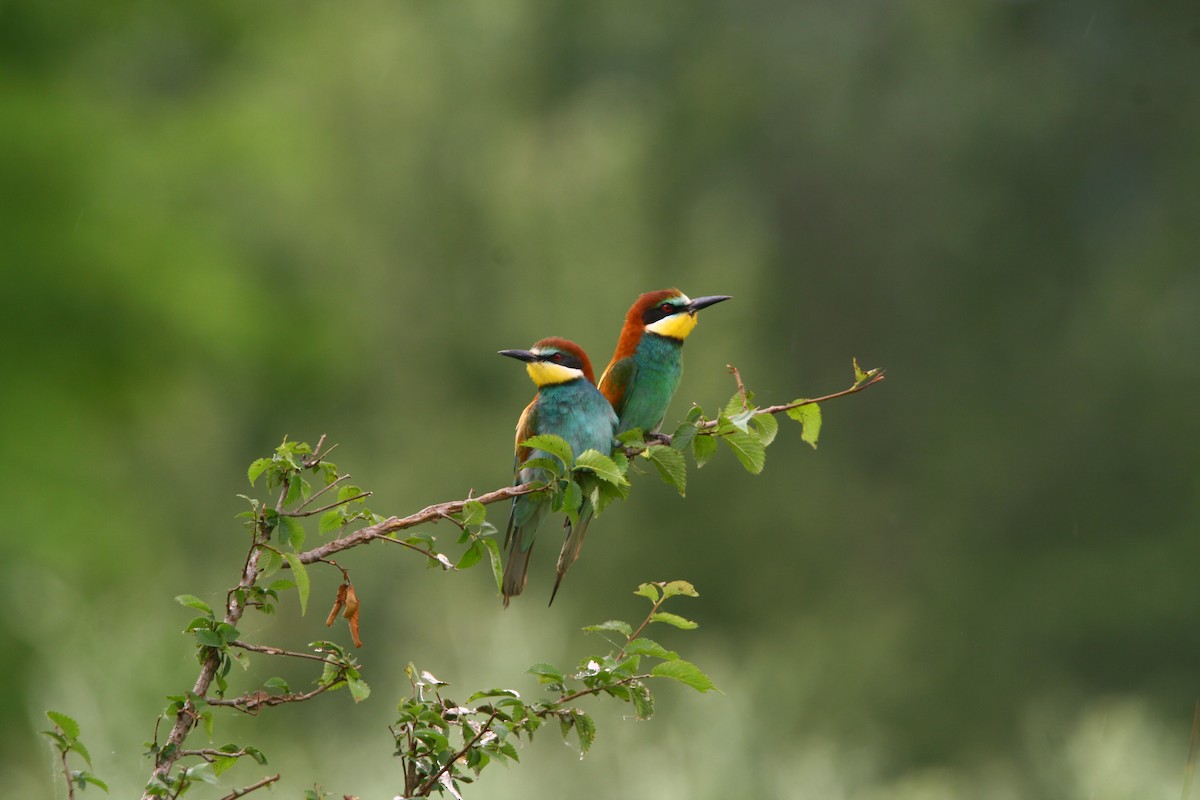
(748, 449)
(78, 747)
(740, 420)
(766, 426)
(674, 619)
(672, 467)
(569, 501)
(703, 449)
(293, 531)
(301, 577)
(278, 684)
(257, 468)
(548, 671)
(643, 701)
(617, 625)
(681, 440)
(471, 556)
(648, 590)
(633, 436)
(642, 646)
(191, 601)
(497, 565)
(585, 729)
(737, 404)
(359, 689)
(602, 466)
(349, 492)
(810, 417)
(67, 725)
(551, 466)
(676, 588)
(684, 672)
(473, 513)
(330, 521)
(554, 445)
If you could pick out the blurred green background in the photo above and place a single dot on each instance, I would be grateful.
(226, 222)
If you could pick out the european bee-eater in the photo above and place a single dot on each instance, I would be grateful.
(567, 404)
(644, 372)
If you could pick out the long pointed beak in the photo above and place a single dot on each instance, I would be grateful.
(705, 302)
(519, 355)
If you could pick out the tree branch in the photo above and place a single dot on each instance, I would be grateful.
(245, 790)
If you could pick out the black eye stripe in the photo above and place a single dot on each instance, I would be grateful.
(654, 314)
(563, 359)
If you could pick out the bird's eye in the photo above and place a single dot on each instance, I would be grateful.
(557, 356)
(667, 307)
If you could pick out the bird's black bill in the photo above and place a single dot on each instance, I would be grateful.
(519, 355)
(705, 302)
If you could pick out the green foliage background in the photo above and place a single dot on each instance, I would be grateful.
(226, 222)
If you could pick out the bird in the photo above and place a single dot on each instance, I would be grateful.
(569, 405)
(644, 372)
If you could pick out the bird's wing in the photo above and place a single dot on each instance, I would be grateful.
(616, 380)
(524, 515)
(526, 427)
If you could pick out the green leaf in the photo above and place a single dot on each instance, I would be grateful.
(92, 779)
(612, 625)
(643, 701)
(278, 684)
(767, 427)
(191, 601)
(633, 436)
(546, 673)
(675, 588)
(810, 417)
(672, 467)
(301, 575)
(330, 522)
(550, 465)
(602, 466)
(749, 450)
(684, 672)
(257, 467)
(497, 565)
(359, 689)
(703, 449)
(67, 725)
(737, 405)
(473, 513)
(585, 729)
(674, 619)
(78, 747)
(648, 590)
(293, 532)
(471, 556)
(349, 492)
(554, 445)
(681, 440)
(208, 637)
(859, 375)
(569, 501)
(642, 646)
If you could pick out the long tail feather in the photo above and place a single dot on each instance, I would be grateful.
(571, 547)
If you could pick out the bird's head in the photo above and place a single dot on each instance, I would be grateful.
(554, 360)
(669, 312)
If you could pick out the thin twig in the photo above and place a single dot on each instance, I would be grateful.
(428, 784)
(737, 376)
(245, 790)
(323, 509)
(858, 387)
(323, 490)
(275, 651)
(67, 774)
(253, 701)
(428, 514)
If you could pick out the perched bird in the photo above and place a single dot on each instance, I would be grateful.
(567, 404)
(644, 372)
